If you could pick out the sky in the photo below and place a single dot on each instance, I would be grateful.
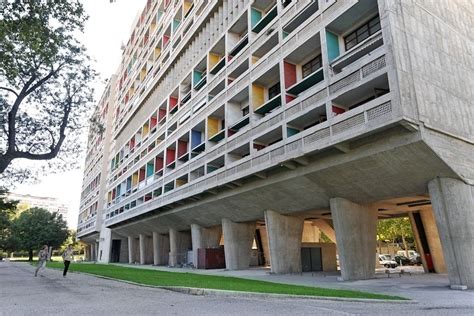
(109, 26)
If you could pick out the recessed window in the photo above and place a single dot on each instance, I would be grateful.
(363, 32)
(274, 90)
(311, 66)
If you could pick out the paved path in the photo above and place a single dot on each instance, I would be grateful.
(23, 294)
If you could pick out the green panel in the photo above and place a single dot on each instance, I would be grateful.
(150, 169)
(291, 131)
(176, 23)
(197, 76)
(255, 16)
(265, 20)
(333, 45)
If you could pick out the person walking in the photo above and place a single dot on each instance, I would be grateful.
(42, 258)
(68, 256)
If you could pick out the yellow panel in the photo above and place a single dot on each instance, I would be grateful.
(135, 179)
(143, 74)
(213, 59)
(186, 6)
(212, 126)
(180, 182)
(146, 129)
(255, 59)
(258, 96)
(157, 52)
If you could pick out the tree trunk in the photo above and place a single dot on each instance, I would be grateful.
(405, 246)
(30, 255)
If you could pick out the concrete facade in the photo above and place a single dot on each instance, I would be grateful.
(204, 238)
(238, 107)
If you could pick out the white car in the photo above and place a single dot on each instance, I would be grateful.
(387, 261)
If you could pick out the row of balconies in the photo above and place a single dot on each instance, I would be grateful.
(299, 115)
(240, 82)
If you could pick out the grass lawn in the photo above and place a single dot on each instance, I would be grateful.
(35, 258)
(163, 278)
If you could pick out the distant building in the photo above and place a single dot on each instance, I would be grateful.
(49, 203)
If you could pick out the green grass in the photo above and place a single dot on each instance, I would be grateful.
(163, 278)
(35, 258)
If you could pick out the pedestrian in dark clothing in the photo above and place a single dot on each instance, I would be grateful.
(68, 256)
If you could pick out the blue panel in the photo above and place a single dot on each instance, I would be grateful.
(195, 138)
(333, 45)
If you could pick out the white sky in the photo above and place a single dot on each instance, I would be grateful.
(108, 26)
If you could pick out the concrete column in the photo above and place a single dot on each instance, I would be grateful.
(419, 245)
(355, 227)
(326, 228)
(93, 256)
(284, 238)
(265, 245)
(433, 239)
(179, 244)
(204, 238)
(453, 204)
(142, 241)
(87, 254)
(161, 249)
(238, 240)
(105, 244)
(131, 249)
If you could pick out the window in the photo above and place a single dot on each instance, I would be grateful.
(311, 66)
(245, 111)
(274, 90)
(363, 32)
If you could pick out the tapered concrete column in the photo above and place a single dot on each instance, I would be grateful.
(142, 240)
(204, 238)
(180, 242)
(161, 249)
(87, 253)
(284, 238)
(355, 227)
(453, 204)
(105, 244)
(93, 256)
(131, 250)
(433, 239)
(238, 240)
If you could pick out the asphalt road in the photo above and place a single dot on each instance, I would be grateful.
(23, 294)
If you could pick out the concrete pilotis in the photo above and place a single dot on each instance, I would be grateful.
(105, 244)
(204, 238)
(131, 249)
(93, 252)
(142, 239)
(238, 239)
(179, 244)
(453, 204)
(355, 227)
(326, 228)
(161, 249)
(284, 238)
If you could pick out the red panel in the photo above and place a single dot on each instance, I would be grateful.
(170, 155)
(337, 110)
(173, 102)
(182, 147)
(161, 114)
(289, 98)
(158, 163)
(166, 39)
(141, 175)
(290, 74)
(153, 121)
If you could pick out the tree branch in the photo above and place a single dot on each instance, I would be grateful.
(10, 90)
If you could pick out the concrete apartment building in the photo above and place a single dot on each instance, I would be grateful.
(49, 203)
(94, 182)
(257, 124)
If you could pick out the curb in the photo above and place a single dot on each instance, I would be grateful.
(227, 293)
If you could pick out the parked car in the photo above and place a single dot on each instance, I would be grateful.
(387, 261)
(403, 261)
(411, 253)
(416, 260)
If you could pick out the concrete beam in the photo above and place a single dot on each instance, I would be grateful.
(355, 227)
(453, 204)
(161, 249)
(204, 238)
(325, 227)
(284, 238)
(238, 240)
